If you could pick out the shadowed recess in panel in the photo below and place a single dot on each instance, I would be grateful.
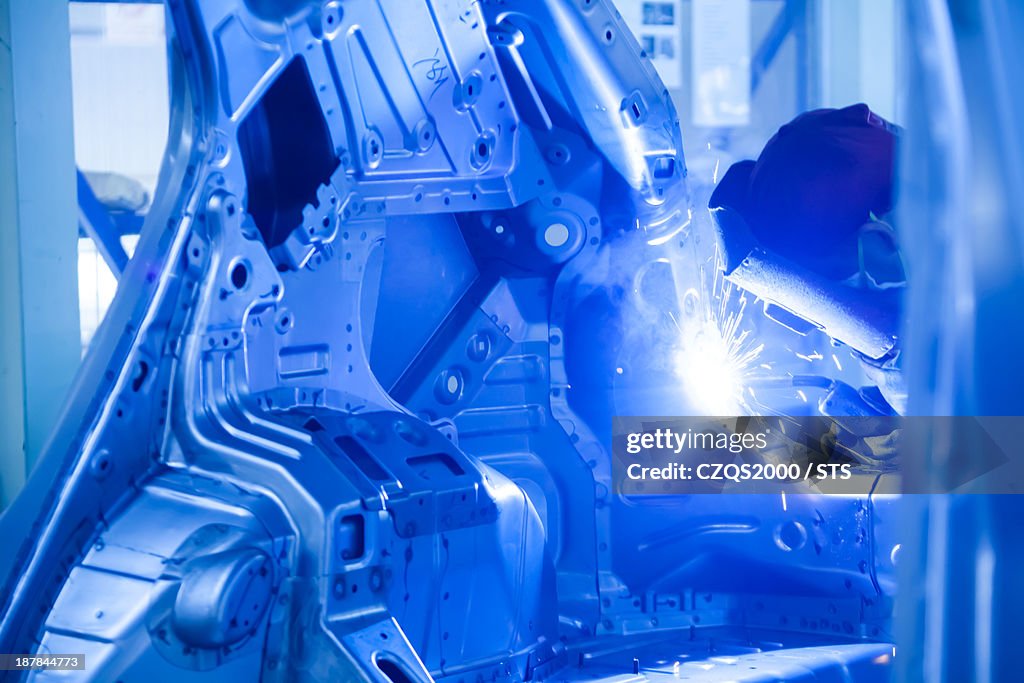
(287, 153)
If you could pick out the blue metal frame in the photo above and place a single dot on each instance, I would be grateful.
(796, 18)
(348, 417)
(97, 223)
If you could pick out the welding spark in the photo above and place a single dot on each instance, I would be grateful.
(719, 353)
(717, 357)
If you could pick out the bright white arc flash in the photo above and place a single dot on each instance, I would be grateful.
(717, 358)
(710, 374)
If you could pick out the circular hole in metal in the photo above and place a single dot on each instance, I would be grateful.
(284, 321)
(467, 95)
(480, 152)
(790, 536)
(239, 275)
(449, 386)
(556, 235)
(373, 148)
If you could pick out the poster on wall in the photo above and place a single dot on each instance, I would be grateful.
(657, 27)
(720, 78)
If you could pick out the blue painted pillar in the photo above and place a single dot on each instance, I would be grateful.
(40, 343)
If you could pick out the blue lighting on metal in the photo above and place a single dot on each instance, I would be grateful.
(349, 416)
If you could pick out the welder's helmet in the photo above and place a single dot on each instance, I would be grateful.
(819, 179)
(797, 228)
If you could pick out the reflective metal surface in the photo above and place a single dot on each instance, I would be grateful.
(347, 417)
